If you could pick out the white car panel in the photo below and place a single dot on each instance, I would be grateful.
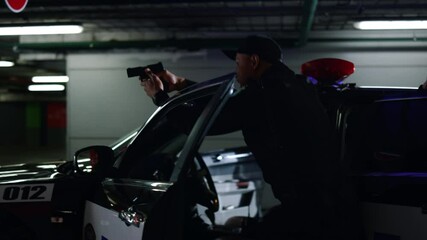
(108, 225)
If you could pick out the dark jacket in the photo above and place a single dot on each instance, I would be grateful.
(287, 129)
(285, 126)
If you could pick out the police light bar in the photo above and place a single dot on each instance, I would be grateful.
(328, 71)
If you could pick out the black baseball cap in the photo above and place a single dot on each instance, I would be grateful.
(265, 47)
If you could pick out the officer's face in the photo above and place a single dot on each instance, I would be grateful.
(244, 70)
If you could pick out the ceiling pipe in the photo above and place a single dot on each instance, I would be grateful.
(149, 13)
(129, 2)
(307, 21)
(190, 44)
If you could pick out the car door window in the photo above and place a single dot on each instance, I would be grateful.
(387, 136)
(152, 154)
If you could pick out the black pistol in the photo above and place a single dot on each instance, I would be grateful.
(140, 71)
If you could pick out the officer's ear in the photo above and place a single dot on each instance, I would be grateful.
(254, 60)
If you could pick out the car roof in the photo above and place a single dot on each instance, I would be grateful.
(209, 83)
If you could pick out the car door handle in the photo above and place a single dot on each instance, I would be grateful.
(131, 217)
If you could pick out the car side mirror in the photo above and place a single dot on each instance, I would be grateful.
(94, 160)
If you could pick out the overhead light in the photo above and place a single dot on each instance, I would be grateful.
(46, 87)
(6, 64)
(391, 25)
(50, 79)
(40, 29)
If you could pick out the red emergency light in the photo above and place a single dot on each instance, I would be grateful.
(16, 6)
(328, 71)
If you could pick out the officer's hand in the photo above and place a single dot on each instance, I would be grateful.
(174, 82)
(152, 84)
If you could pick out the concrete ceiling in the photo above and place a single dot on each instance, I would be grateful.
(132, 24)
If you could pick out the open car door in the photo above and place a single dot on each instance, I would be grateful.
(154, 186)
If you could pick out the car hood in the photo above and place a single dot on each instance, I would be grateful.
(30, 171)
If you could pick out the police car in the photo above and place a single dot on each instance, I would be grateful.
(382, 140)
(158, 183)
(153, 182)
